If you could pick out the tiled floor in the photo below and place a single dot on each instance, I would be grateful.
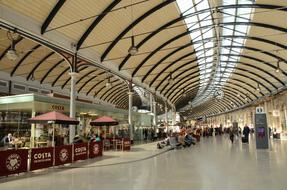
(210, 165)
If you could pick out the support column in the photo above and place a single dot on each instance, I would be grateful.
(166, 116)
(155, 119)
(72, 104)
(131, 127)
(33, 128)
(173, 116)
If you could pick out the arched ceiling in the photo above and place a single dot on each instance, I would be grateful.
(205, 46)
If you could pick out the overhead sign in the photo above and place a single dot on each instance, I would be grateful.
(259, 110)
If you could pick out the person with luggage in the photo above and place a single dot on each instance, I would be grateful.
(246, 132)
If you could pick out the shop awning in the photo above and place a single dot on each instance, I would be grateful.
(105, 120)
(53, 117)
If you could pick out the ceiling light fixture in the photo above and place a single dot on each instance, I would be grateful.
(258, 87)
(133, 50)
(108, 83)
(11, 53)
(278, 67)
(170, 80)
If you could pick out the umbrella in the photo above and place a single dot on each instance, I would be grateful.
(104, 121)
(54, 118)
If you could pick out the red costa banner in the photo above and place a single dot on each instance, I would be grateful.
(63, 154)
(127, 144)
(96, 149)
(13, 161)
(42, 158)
(80, 151)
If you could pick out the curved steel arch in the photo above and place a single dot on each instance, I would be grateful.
(121, 89)
(89, 80)
(105, 86)
(96, 93)
(124, 103)
(88, 92)
(263, 6)
(248, 65)
(165, 57)
(111, 97)
(138, 20)
(229, 82)
(208, 26)
(180, 97)
(187, 80)
(114, 88)
(51, 69)
(228, 91)
(38, 64)
(59, 76)
(119, 97)
(52, 14)
(122, 93)
(66, 82)
(246, 37)
(244, 47)
(96, 22)
(23, 59)
(87, 74)
(249, 57)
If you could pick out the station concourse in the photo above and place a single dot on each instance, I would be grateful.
(143, 94)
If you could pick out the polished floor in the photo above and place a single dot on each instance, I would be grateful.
(212, 164)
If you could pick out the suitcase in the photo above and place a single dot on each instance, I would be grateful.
(244, 140)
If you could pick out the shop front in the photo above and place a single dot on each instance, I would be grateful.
(16, 110)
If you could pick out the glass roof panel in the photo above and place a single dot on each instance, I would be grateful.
(228, 54)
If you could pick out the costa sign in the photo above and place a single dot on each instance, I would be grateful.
(63, 155)
(42, 158)
(58, 107)
(96, 149)
(80, 151)
(13, 162)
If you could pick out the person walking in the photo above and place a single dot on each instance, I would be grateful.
(246, 132)
(231, 135)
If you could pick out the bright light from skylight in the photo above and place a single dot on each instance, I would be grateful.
(198, 19)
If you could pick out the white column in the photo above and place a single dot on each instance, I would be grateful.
(166, 116)
(155, 118)
(131, 129)
(72, 104)
(151, 103)
(173, 116)
(33, 126)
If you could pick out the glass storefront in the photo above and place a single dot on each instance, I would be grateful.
(16, 110)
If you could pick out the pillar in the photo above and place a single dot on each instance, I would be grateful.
(33, 126)
(166, 116)
(72, 104)
(131, 128)
(155, 118)
(173, 116)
